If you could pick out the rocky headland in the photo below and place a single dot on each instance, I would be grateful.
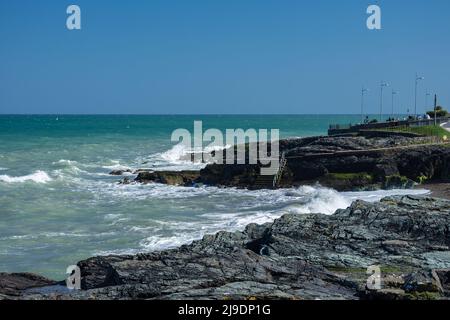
(312, 256)
(347, 163)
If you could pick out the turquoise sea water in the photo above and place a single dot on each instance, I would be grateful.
(58, 204)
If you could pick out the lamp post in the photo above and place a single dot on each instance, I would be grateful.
(383, 85)
(363, 91)
(393, 94)
(415, 93)
(435, 111)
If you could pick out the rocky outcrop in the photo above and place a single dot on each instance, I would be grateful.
(295, 257)
(120, 172)
(341, 163)
(176, 178)
(15, 284)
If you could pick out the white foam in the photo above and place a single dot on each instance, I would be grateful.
(38, 177)
(175, 154)
(3, 169)
(320, 200)
(178, 158)
(265, 206)
(65, 162)
(153, 243)
(117, 166)
(374, 196)
(218, 209)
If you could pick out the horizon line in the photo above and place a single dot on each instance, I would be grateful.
(196, 114)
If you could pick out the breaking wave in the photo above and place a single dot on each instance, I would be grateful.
(261, 206)
(38, 177)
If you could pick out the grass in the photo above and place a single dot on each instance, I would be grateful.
(430, 131)
(350, 176)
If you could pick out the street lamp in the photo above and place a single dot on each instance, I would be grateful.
(363, 91)
(393, 94)
(415, 92)
(435, 113)
(383, 84)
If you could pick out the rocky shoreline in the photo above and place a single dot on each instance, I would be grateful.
(312, 256)
(347, 163)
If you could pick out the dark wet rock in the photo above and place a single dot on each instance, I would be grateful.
(98, 273)
(423, 281)
(120, 172)
(444, 277)
(177, 178)
(13, 284)
(312, 256)
(125, 180)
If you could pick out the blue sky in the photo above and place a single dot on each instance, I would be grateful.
(220, 57)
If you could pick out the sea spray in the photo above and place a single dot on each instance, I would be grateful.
(38, 177)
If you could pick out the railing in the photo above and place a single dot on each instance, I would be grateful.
(335, 128)
(340, 126)
(282, 165)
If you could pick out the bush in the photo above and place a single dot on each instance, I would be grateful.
(440, 112)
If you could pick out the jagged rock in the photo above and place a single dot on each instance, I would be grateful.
(312, 256)
(178, 178)
(423, 281)
(444, 277)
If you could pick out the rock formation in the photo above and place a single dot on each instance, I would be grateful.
(341, 163)
(295, 257)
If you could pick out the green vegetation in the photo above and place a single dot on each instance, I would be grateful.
(397, 181)
(430, 131)
(423, 295)
(350, 176)
(440, 112)
(422, 179)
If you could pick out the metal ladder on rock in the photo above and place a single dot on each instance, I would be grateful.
(272, 181)
(281, 167)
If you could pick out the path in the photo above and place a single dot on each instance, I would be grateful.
(355, 152)
(446, 126)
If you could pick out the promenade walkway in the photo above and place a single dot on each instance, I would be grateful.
(446, 126)
(367, 151)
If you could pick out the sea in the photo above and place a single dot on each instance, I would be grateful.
(59, 205)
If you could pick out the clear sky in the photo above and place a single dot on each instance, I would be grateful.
(220, 56)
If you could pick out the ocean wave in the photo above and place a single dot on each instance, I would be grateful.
(38, 177)
(178, 158)
(155, 243)
(176, 154)
(263, 206)
(377, 195)
(65, 162)
(69, 169)
(115, 166)
(57, 235)
(3, 169)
